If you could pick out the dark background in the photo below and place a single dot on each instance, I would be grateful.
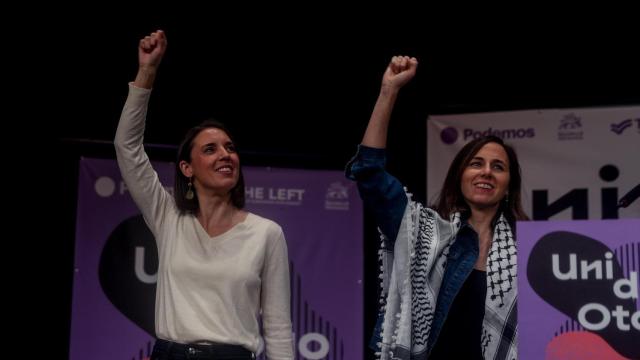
(297, 90)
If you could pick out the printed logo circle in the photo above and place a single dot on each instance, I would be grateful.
(105, 186)
(449, 135)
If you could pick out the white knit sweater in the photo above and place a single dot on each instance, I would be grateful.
(209, 288)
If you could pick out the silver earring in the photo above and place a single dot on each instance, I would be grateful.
(189, 194)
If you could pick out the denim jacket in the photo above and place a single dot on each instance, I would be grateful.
(385, 197)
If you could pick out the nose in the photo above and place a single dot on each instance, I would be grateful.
(225, 153)
(486, 170)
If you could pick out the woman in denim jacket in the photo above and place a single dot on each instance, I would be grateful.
(449, 270)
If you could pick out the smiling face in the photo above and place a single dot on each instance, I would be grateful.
(215, 165)
(485, 180)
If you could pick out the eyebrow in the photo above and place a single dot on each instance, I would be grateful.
(216, 144)
(483, 159)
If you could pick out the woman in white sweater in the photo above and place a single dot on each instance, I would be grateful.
(220, 268)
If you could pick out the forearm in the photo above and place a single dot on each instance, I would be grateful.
(145, 77)
(276, 310)
(130, 132)
(376, 134)
(141, 180)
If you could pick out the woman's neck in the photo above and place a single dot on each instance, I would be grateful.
(481, 219)
(218, 214)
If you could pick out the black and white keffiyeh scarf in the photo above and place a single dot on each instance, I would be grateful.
(412, 274)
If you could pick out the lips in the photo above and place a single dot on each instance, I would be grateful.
(228, 169)
(484, 186)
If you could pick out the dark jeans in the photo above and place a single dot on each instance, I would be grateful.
(167, 350)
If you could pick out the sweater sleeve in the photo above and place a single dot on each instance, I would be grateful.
(142, 181)
(275, 298)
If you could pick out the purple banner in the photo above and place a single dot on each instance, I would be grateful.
(578, 289)
(116, 261)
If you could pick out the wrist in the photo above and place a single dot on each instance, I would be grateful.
(147, 69)
(389, 90)
(145, 77)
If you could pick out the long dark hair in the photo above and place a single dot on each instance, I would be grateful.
(451, 199)
(181, 187)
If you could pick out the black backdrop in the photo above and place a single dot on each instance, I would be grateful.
(297, 91)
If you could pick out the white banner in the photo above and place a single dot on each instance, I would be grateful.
(576, 163)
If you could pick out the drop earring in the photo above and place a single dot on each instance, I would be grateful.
(189, 194)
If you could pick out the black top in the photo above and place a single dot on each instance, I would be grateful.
(464, 322)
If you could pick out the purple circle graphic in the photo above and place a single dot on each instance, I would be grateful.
(449, 135)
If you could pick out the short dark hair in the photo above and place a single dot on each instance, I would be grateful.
(181, 187)
(451, 199)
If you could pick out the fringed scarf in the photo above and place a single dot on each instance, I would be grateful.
(412, 274)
